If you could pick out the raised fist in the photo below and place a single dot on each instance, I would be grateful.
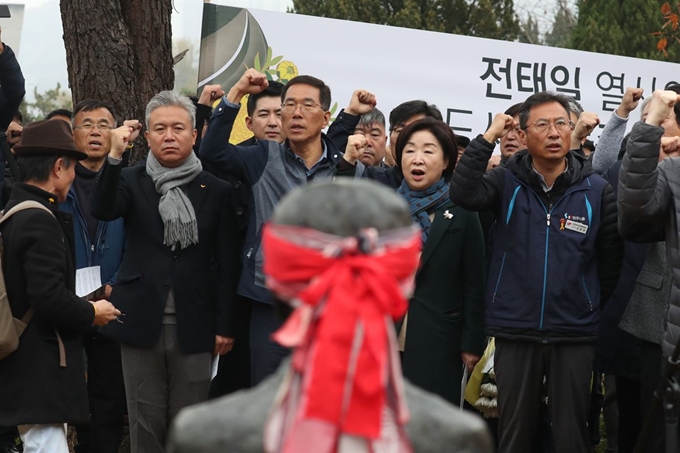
(210, 93)
(661, 106)
(355, 147)
(586, 123)
(630, 101)
(121, 136)
(500, 126)
(361, 103)
(135, 128)
(252, 82)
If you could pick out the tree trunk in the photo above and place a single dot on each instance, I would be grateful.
(120, 52)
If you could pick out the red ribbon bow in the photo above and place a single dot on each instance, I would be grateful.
(347, 300)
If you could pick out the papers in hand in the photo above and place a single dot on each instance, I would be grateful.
(463, 384)
(89, 282)
(214, 366)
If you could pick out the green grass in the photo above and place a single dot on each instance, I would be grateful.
(603, 442)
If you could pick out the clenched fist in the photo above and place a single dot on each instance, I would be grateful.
(251, 82)
(500, 126)
(585, 125)
(661, 106)
(361, 103)
(670, 147)
(122, 136)
(355, 147)
(210, 93)
(630, 101)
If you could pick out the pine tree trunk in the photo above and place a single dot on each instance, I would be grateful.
(120, 52)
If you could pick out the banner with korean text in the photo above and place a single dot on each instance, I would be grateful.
(469, 79)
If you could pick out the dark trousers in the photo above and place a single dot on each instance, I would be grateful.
(265, 354)
(596, 403)
(9, 439)
(106, 393)
(603, 401)
(233, 372)
(610, 411)
(630, 413)
(160, 381)
(651, 366)
(520, 367)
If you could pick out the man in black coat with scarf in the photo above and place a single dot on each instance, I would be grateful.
(43, 381)
(177, 281)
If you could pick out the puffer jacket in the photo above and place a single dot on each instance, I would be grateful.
(649, 205)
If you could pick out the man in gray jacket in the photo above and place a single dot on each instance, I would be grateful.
(270, 170)
(649, 192)
(649, 195)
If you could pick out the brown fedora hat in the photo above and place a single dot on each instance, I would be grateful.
(48, 138)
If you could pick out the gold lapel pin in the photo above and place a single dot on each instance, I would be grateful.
(202, 186)
(448, 215)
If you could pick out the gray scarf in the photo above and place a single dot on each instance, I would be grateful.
(176, 210)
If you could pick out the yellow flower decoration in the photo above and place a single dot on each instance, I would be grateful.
(240, 131)
(287, 70)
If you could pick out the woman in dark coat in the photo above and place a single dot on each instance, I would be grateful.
(444, 328)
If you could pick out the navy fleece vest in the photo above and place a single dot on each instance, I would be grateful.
(543, 270)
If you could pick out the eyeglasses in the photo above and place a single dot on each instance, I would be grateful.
(305, 106)
(88, 127)
(542, 126)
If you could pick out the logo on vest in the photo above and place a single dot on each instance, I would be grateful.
(573, 223)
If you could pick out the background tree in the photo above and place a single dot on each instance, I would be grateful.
(44, 103)
(563, 25)
(494, 19)
(186, 69)
(119, 51)
(621, 28)
(529, 32)
(670, 31)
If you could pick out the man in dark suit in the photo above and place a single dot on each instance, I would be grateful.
(178, 277)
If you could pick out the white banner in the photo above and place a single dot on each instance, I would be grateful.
(469, 79)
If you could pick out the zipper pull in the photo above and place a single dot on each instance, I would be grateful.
(249, 253)
(92, 247)
(548, 221)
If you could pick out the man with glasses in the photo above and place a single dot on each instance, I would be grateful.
(400, 117)
(97, 243)
(270, 170)
(555, 259)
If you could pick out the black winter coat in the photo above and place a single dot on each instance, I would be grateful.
(446, 312)
(39, 268)
(649, 207)
(202, 276)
